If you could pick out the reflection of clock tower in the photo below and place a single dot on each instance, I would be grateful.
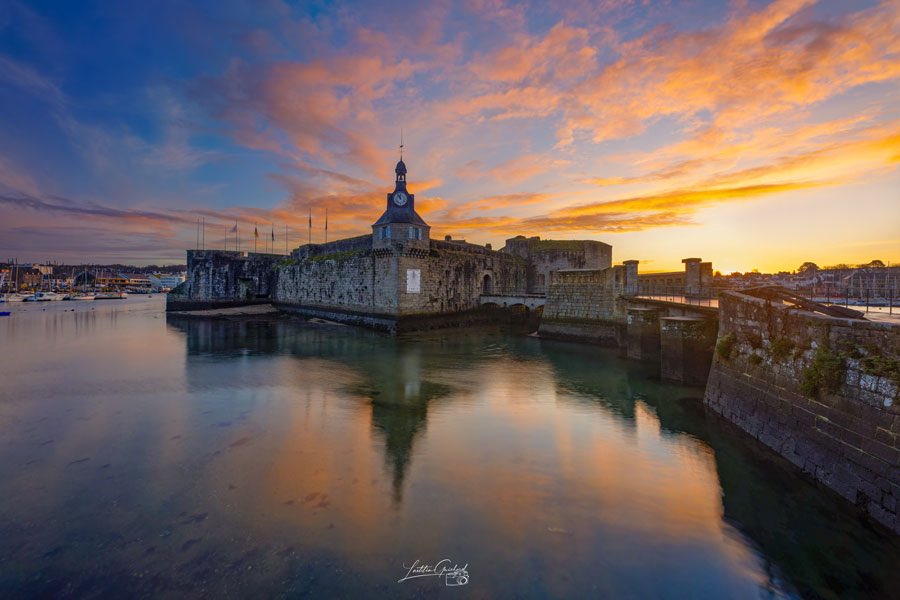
(400, 225)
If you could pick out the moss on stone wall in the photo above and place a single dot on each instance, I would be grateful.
(564, 245)
(725, 346)
(881, 366)
(287, 262)
(824, 374)
(336, 256)
(780, 348)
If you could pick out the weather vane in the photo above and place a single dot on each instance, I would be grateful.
(401, 143)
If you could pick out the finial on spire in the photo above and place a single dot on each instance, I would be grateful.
(401, 143)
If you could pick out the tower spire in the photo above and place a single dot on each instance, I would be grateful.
(401, 143)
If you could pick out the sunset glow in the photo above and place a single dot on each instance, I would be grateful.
(754, 134)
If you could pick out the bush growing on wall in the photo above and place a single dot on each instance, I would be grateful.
(824, 374)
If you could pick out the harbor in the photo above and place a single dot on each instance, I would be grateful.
(257, 457)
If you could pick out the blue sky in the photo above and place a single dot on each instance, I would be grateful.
(738, 132)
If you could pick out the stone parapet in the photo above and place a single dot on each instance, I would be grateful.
(820, 391)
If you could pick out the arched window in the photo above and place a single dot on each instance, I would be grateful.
(488, 287)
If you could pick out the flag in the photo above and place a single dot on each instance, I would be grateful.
(234, 229)
(310, 218)
(255, 231)
(273, 233)
(326, 219)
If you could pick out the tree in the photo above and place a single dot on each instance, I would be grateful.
(808, 268)
(874, 264)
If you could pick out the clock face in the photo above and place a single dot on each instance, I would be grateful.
(400, 199)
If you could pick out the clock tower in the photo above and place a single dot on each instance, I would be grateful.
(400, 226)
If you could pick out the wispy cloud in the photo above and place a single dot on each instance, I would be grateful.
(588, 118)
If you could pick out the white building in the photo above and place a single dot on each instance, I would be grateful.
(159, 281)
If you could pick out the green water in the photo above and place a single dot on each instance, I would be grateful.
(144, 457)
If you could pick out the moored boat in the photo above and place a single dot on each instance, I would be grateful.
(110, 296)
(43, 297)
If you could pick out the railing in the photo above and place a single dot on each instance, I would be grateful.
(878, 300)
(704, 296)
(867, 298)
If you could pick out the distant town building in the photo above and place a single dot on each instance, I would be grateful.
(161, 281)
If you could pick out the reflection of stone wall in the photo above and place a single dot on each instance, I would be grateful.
(821, 391)
(583, 305)
(216, 278)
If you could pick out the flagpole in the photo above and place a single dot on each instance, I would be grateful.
(285, 240)
(326, 224)
(309, 228)
(203, 238)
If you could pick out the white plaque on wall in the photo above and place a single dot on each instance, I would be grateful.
(413, 281)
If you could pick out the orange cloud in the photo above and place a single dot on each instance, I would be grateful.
(757, 66)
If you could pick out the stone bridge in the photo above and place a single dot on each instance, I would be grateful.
(529, 301)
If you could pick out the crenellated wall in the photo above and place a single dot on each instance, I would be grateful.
(821, 391)
(544, 258)
(216, 278)
(383, 288)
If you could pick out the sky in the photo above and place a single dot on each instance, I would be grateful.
(756, 135)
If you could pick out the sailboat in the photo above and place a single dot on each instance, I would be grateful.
(11, 296)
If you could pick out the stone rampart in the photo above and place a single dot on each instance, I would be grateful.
(354, 244)
(546, 257)
(384, 288)
(216, 278)
(582, 304)
(820, 391)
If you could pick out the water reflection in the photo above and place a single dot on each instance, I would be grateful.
(283, 459)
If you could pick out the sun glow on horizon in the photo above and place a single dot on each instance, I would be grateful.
(757, 135)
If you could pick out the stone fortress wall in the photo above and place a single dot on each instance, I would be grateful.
(585, 304)
(377, 288)
(220, 279)
(695, 279)
(821, 391)
(546, 257)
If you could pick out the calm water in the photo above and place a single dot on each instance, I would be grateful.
(144, 456)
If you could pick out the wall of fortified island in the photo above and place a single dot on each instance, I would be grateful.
(545, 257)
(220, 279)
(378, 288)
(821, 391)
(583, 304)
